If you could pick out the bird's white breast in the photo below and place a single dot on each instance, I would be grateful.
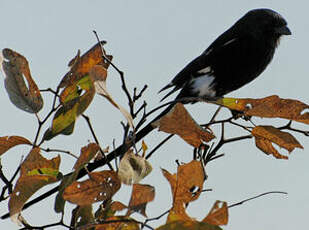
(202, 86)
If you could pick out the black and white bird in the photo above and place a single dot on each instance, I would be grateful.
(234, 59)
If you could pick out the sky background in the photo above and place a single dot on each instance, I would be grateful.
(151, 41)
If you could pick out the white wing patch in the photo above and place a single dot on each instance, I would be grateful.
(230, 41)
(205, 70)
(202, 86)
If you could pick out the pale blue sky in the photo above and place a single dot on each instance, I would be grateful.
(151, 41)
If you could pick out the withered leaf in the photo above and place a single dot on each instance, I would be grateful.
(98, 75)
(80, 66)
(25, 96)
(178, 121)
(81, 216)
(75, 100)
(186, 187)
(265, 135)
(87, 153)
(141, 195)
(267, 147)
(188, 225)
(108, 209)
(118, 206)
(101, 186)
(218, 214)
(133, 168)
(66, 181)
(8, 142)
(118, 223)
(35, 172)
(271, 107)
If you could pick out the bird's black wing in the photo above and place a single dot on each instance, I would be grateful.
(201, 62)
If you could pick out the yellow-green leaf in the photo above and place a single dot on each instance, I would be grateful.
(75, 98)
(28, 182)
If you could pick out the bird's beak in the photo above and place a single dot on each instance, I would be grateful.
(283, 30)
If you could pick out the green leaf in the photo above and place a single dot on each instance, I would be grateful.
(75, 98)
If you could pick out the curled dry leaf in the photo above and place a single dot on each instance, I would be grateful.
(117, 206)
(185, 188)
(133, 168)
(108, 209)
(80, 66)
(178, 121)
(81, 216)
(35, 172)
(188, 225)
(99, 75)
(218, 214)
(8, 142)
(118, 223)
(272, 106)
(87, 153)
(101, 186)
(141, 195)
(65, 182)
(25, 96)
(75, 100)
(266, 135)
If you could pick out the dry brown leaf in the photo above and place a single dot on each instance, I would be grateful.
(272, 106)
(80, 66)
(101, 186)
(87, 153)
(178, 121)
(98, 75)
(185, 188)
(35, 172)
(25, 96)
(117, 206)
(218, 214)
(267, 147)
(8, 142)
(133, 168)
(188, 225)
(81, 216)
(178, 213)
(118, 223)
(265, 135)
(141, 195)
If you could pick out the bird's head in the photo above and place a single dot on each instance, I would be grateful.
(263, 23)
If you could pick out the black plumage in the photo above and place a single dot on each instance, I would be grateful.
(234, 59)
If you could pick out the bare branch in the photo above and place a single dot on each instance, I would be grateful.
(252, 198)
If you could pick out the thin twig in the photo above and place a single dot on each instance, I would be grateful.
(60, 151)
(263, 194)
(159, 145)
(96, 139)
(53, 109)
(137, 96)
(46, 226)
(124, 86)
(289, 127)
(154, 218)
(142, 108)
(215, 114)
